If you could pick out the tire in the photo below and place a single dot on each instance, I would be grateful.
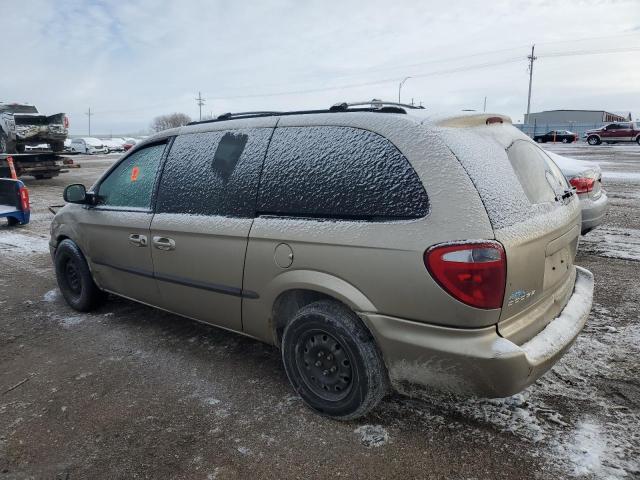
(638, 140)
(20, 148)
(347, 378)
(593, 140)
(12, 221)
(538, 140)
(57, 146)
(74, 278)
(565, 140)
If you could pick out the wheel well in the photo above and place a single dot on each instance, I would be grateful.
(287, 305)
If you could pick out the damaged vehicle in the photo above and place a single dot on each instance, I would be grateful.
(21, 125)
(375, 244)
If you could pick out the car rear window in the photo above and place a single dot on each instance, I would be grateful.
(338, 173)
(213, 173)
(541, 180)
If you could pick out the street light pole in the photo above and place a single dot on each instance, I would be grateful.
(400, 87)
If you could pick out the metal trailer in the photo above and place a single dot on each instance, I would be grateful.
(14, 202)
(39, 165)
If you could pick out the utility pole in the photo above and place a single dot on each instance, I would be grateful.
(484, 108)
(88, 114)
(531, 58)
(400, 87)
(200, 101)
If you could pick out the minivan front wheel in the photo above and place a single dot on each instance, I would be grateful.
(332, 361)
(74, 278)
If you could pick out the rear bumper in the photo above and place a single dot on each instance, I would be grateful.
(477, 361)
(593, 212)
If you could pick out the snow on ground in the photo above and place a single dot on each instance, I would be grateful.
(613, 242)
(13, 243)
(566, 413)
(620, 176)
(372, 435)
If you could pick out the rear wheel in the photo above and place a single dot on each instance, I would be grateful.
(12, 221)
(332, 361)
(593, 140)
(638, 140)
(565, 140)
(20, 148)
(74, 278)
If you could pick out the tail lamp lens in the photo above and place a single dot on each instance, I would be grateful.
(65, 121)
(582, 184)
(473, 273)
(24, 199)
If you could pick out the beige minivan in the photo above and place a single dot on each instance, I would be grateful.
(375, 245)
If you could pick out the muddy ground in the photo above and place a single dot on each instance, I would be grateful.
(132, 392)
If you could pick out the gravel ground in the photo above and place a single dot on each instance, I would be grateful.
(133, 392)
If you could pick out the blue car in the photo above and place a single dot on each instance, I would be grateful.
(14, 201)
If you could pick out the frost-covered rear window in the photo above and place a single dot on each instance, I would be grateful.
(213, 173)
(339, 173)
(541, 180)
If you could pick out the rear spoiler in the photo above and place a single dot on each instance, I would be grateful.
(475, 120)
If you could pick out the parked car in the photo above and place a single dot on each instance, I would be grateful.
(21, 125)
(114, 145)
(614, 133)
(88, 145)
(586, 178)
(370, 244)
(564, 136)
(129, 143)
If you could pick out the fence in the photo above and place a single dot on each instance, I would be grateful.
(532, 129)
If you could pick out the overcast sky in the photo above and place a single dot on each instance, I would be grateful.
(130, 61)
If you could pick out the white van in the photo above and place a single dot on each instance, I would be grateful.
(88, 145)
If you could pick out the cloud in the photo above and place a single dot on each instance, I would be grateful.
(131, 61)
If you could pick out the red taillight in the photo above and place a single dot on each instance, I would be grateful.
(24, 199)
(474, 273)
(65, 121)
(582, 184)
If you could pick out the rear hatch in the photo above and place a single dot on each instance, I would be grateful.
(534, 214)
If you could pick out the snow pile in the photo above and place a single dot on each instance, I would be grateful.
(51, 295)
(372, 435)
(587, 450)
(20, 244)
(564, 328)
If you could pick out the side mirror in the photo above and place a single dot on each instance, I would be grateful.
(76, 193)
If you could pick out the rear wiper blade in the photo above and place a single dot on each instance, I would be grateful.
(568, 193)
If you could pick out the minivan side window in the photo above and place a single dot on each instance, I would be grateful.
(213, 173)
(130, 184)
(339, 173)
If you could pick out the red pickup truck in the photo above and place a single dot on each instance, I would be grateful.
(614, 132)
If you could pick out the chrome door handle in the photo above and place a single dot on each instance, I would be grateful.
(164, 243)
(138, 240)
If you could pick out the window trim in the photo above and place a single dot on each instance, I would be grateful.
(167, 142)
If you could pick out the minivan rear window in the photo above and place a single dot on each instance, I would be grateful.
(338, 173)
(541, 179)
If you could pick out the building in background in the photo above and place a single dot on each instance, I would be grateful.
(577, 121)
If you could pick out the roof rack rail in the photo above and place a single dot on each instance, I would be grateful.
(374, 104)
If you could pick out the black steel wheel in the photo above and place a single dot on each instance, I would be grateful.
(333, 362)
(74, 278)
